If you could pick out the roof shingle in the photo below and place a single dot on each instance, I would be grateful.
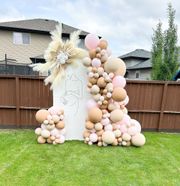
(43, 25)
(138, 53)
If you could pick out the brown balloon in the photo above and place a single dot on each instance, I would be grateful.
(103, 44)
(98, 55)
(119, 94)
(93, 80)
(86, 133)
(101, 82)
(95, 115)
(89, 125)
(60, 125)
(92, 53)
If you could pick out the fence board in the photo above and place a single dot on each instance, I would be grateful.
(156, 104)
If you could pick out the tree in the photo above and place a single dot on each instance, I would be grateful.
(165, 50)
(157, 52)
(170, 65)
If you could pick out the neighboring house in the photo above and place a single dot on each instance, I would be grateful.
(24, 42)
(138, 63)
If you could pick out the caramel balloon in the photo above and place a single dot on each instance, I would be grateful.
(41, 115)
(101, 82)
(119, 94)
(95, 115)
(92, 53)
(103, 44)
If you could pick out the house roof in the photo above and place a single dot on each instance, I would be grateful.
(37, 25)
(138, 53)
(141, 65)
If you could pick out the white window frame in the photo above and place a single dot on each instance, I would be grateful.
(14, 42)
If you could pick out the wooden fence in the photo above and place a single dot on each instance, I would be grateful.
(155, 104)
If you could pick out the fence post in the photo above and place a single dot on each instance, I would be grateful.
(164, 96)
(17, 103)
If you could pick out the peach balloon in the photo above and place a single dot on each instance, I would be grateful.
(119, 94)
(103, 44)
(41, 115)
(101, 82)
(95, 115)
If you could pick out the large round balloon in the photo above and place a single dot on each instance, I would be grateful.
(41, 115)
(91, 41)
(116, 115)
(119, 94)
(115, 65)
(138, 140)
(119, 81)
(95, 115)
(108, 137)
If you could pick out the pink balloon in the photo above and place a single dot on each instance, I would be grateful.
(96, 62)
(93, 137)
(54, 110)
(136, 124)
(132, 131)
(105, 121)
(62, 139)
(91, 41)
(119, 81)
(125, 121)
(123, 128)
(91, 104)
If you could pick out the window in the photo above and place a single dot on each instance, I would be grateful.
(137, 74)
(21, 38)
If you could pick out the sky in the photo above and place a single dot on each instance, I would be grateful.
(126, 24)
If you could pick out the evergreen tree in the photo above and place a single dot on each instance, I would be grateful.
(170, 64)
(165, 50)
(157, 52)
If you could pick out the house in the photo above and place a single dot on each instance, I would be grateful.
(24, 42)
(138, 63)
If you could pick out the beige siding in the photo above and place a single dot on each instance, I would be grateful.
(22, 53)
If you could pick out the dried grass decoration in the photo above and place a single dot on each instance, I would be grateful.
(59, 55)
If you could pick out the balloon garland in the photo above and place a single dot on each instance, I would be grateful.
(52, 129)
(108, 122)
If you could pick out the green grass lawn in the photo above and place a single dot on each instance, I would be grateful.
(24, 162)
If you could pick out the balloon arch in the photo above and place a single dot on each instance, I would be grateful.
(107, 122)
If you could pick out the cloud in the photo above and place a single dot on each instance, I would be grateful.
(10, 14)
(126, 24)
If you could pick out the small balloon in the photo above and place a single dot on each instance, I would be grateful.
(96, 62)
